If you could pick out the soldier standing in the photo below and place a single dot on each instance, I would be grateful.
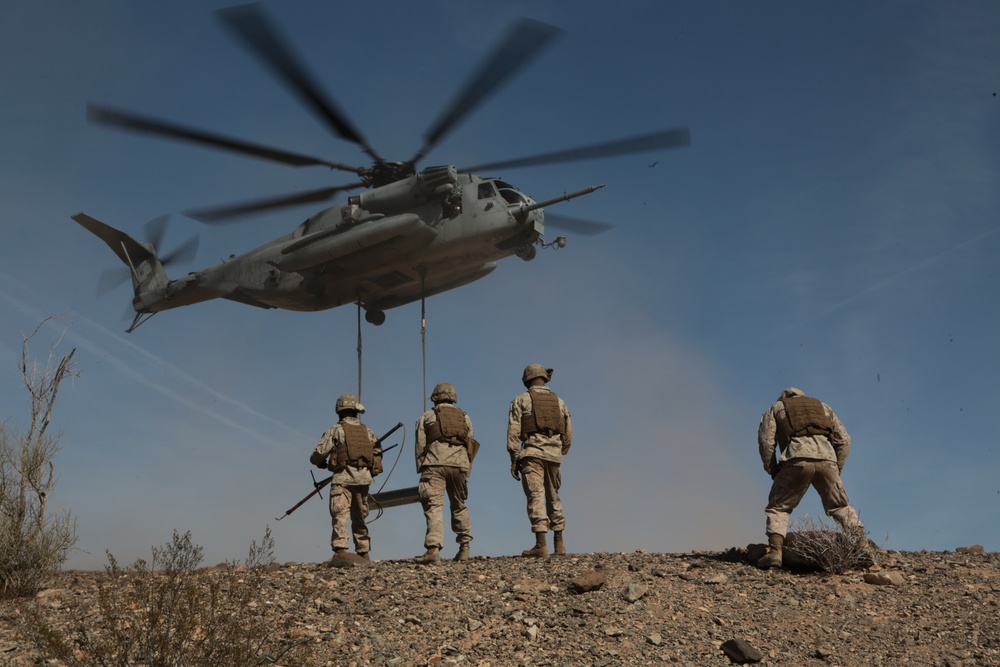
(444, 458)
(813, 449)
(348, 449)
(539, 434)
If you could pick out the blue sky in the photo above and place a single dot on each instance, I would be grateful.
(833, 226)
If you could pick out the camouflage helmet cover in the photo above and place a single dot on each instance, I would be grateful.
(349, 402)
(532, 371)
(444, 391)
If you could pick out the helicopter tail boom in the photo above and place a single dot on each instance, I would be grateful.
(150, 283)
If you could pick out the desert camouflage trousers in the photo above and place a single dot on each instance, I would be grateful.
(790, 485)
(434, 482)
(349, 502)
(541, 481)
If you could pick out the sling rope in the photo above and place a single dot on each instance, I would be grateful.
(359, 350)
(423, 330)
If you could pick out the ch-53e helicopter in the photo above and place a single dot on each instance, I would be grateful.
(409, 235)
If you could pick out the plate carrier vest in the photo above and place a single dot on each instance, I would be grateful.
(449, 426)
(545, 416)
(803, 416)
(356, 450)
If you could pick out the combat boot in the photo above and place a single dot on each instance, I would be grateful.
(430, 556)
(865, 548)
(463, 552)
(540, 549)
(558, 548)
(776, 544)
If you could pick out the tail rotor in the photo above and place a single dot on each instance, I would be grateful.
(155, 231)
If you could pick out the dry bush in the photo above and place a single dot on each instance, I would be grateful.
(34, 543)
(816, 545)
(168, 613)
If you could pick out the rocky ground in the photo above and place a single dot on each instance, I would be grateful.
(939, 609)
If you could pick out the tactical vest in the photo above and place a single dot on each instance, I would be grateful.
(545, 416)
(450, 426)
(803, 416)
(356, 450)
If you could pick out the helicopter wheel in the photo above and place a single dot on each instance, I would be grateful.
(526, 252)
(375, 316)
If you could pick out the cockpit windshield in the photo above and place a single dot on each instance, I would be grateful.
(510, 194)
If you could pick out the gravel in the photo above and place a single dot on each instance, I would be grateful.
(934, 609)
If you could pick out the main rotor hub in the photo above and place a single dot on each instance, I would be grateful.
(384, 173)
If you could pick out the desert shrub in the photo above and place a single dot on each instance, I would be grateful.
(168, 613)
(34, 542)
(817, 545)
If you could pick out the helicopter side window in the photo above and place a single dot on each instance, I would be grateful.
(512, 197)
(487, 191)
(510, 194)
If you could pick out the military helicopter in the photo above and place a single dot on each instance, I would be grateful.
(409, 235)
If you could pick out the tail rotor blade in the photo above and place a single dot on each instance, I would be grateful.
(156, 228)
(183, 253)
(110, 279)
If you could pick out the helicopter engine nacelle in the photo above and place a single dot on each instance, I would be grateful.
(431, 183)
(321, 247)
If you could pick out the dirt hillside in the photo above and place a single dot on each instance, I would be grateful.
(933, 609)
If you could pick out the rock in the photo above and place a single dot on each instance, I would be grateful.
(347, 560)
(755, 552)
(589, 582)
(974, 549)
(885, 578)
(740, 651)
(635, 591)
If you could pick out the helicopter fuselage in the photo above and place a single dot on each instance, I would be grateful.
(389, 246)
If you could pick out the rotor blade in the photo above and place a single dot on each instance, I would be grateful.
(155, 229)
(144, 124)
(250, 26)
(183, 253)
(523, 42)
(675, 138)
(226, 213)
(576, 225)
(110, 279)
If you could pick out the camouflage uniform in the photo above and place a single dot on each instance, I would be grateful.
(349, 487)
(539, 458)
(805, 460)
(443, 466)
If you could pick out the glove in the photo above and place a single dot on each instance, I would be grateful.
(514, 472)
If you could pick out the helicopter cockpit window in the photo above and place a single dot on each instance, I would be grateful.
(486, 190)
(510, 194)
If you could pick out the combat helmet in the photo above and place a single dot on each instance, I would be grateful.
(532, 371)
(791, 392)
(444, 392)
(349, 403)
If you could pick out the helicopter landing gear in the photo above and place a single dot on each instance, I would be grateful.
(526, 252)
(375, 316)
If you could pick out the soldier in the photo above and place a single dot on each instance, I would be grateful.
(539, 434)
(444, 452)
(348, 449)
(813, 449)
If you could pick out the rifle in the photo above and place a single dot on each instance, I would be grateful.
(319, 485)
